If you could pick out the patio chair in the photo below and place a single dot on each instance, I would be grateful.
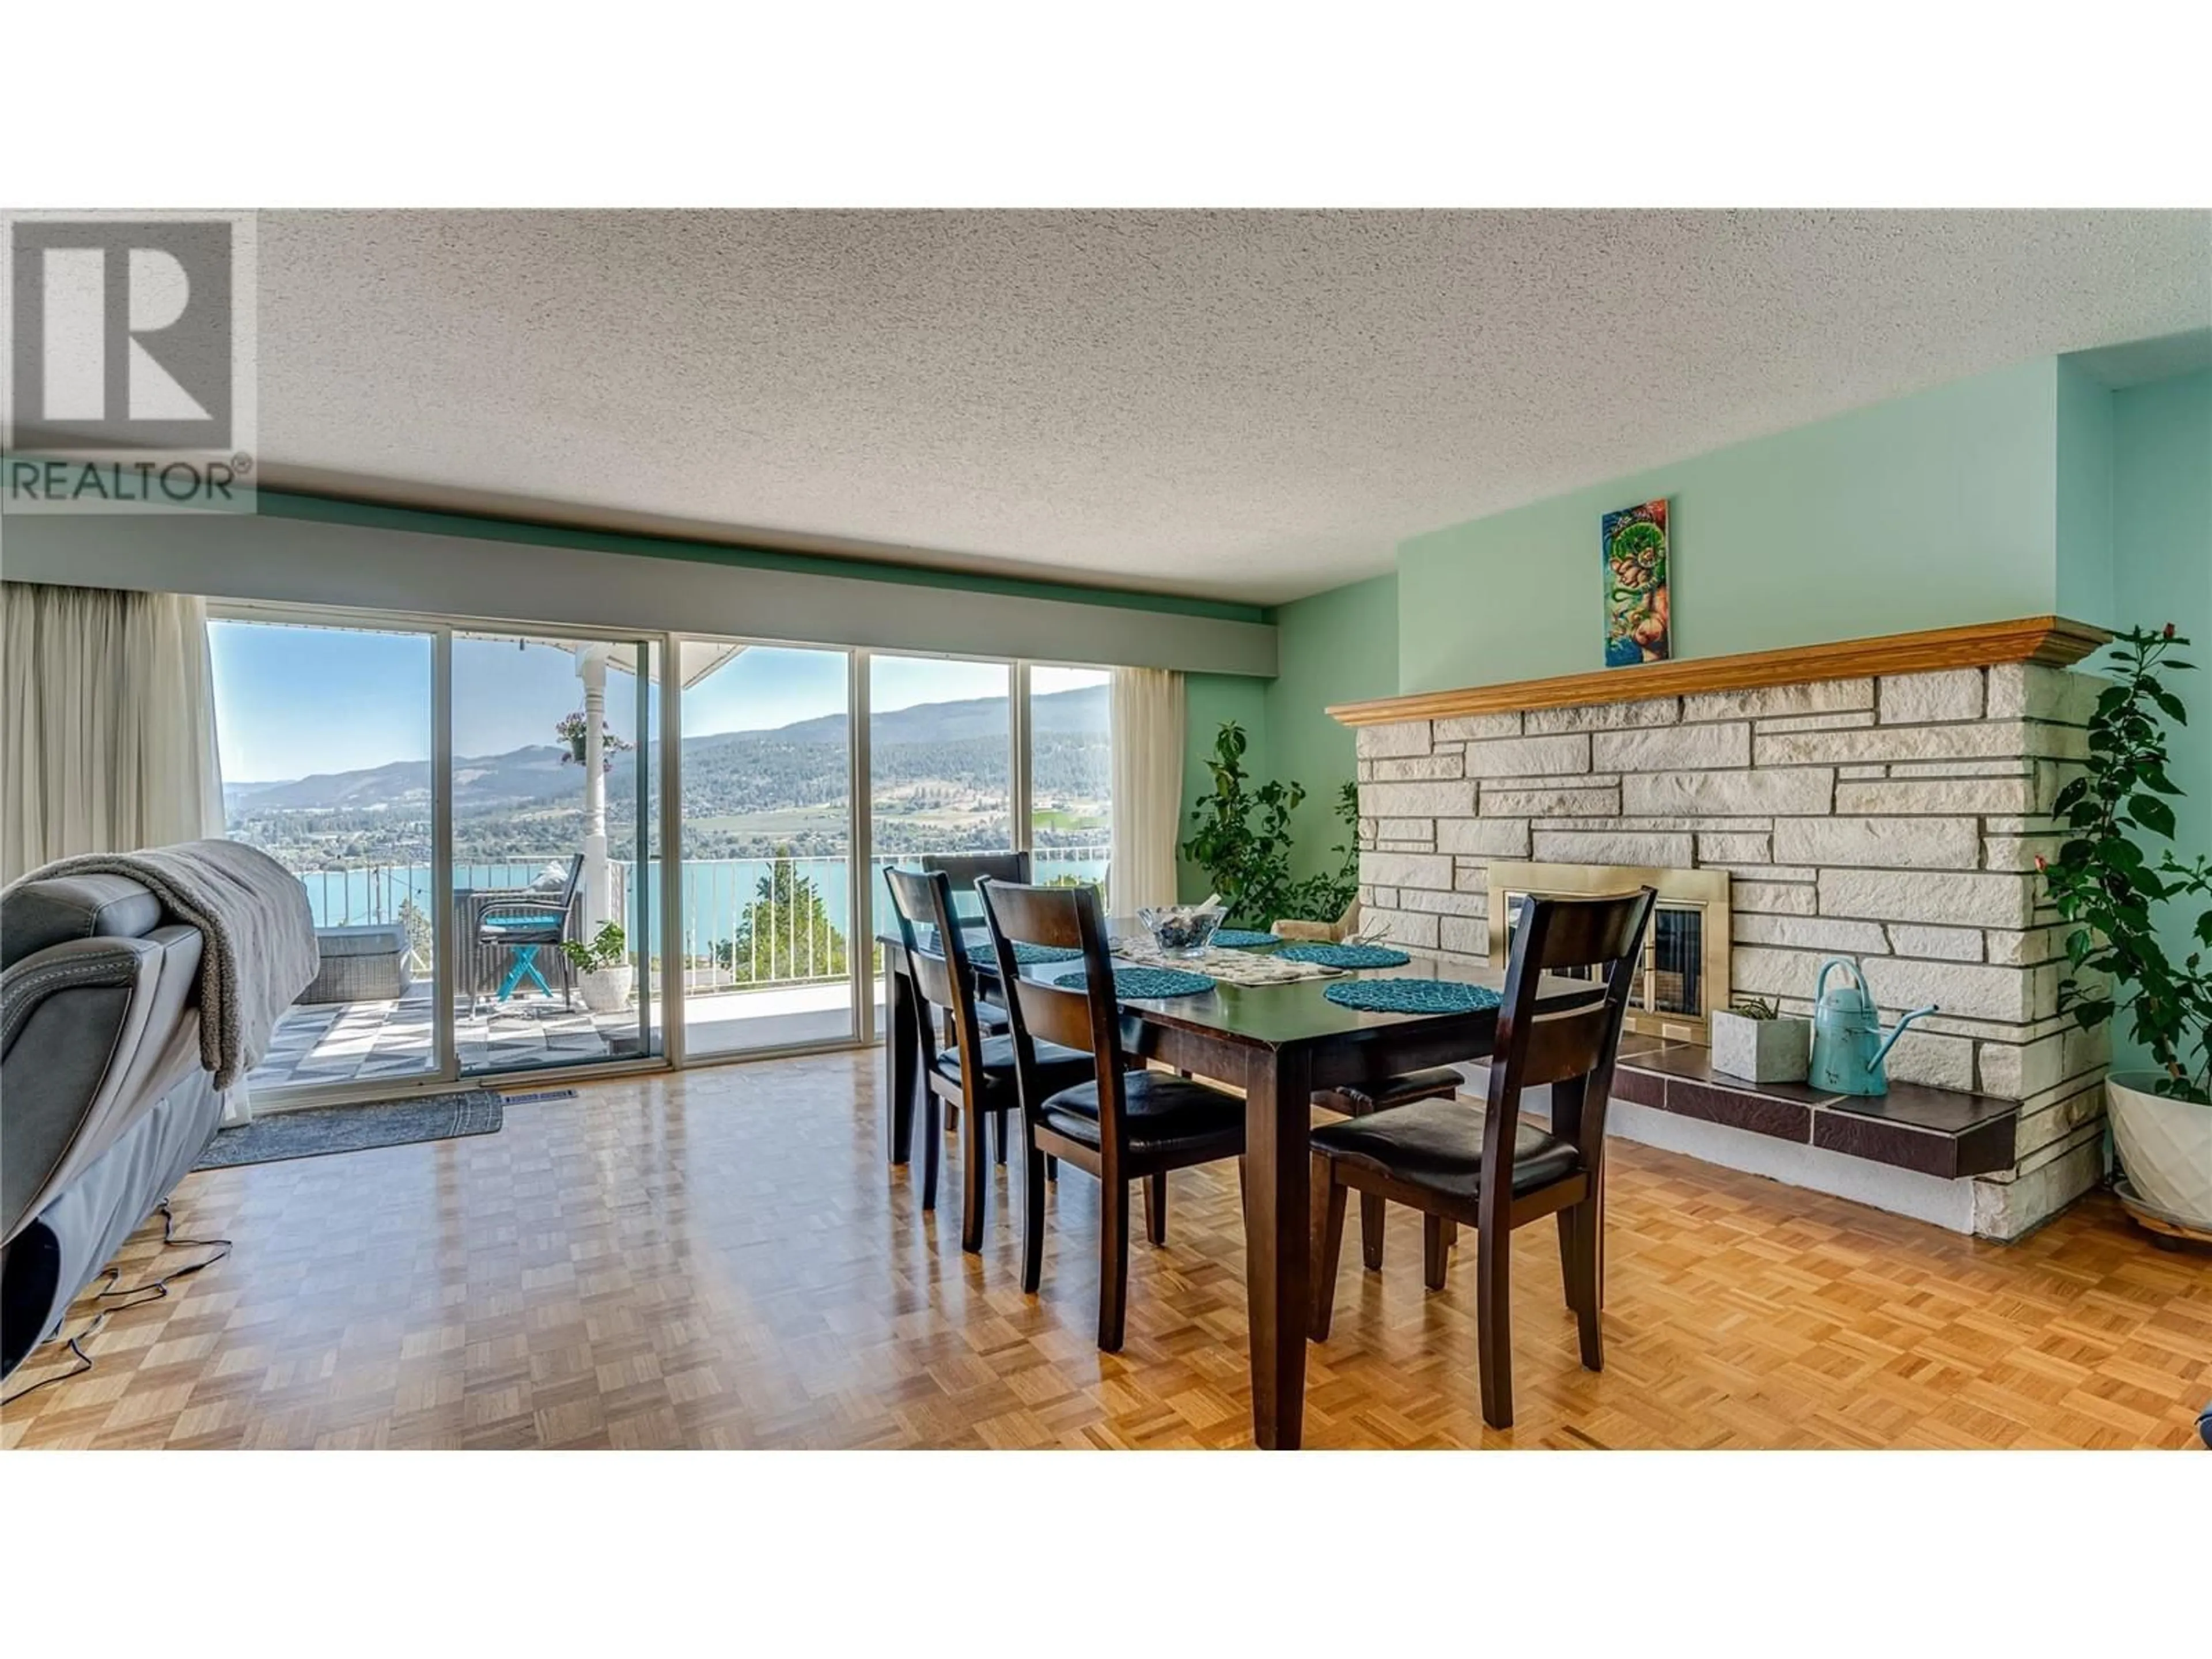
(518, 923)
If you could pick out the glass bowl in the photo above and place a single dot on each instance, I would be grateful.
(1181, 932)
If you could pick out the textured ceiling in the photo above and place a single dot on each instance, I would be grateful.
(1245, 405)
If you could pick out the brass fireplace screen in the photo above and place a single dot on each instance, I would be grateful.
(1685, 949)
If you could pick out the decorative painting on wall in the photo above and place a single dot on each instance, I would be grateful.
(1635, 548)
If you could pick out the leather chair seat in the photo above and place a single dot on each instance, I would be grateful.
(1165, 1113)
(1057, 1067)
(1381, 1093)
(1438, 1144)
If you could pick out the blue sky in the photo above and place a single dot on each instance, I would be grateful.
(292, 702)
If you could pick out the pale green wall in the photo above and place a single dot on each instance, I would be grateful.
(2161, 539)
(1333, 648)
(1336, 647)
(1208, 700)
(1927, 511)
(2084, 497)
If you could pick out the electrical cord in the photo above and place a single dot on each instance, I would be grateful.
(137, 1295)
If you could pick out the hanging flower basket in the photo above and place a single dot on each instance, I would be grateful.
(572, 731)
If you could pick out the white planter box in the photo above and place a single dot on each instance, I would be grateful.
(1762, 1050)
(2166, 1147)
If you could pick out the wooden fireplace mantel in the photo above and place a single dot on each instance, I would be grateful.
(2052, 641)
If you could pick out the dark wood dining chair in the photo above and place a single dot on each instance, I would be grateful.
(965, 870)
(1485, 1168)
(1365, 1100)
(975, 1073)
(1127, 1124)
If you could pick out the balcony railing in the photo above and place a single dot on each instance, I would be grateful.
(742, 922)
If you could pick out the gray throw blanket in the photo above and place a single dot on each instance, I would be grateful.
(259, 951)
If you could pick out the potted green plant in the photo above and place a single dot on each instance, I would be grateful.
(2102, 880)
(1754, 1039)
(605, 974)
(1242, 837)
(1242, 842)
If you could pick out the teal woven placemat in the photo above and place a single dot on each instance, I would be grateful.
(1028, 954)
(1346, 956)
(1146, 983)
(1239, 939)
(1412, 996)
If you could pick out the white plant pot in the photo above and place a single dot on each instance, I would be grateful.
(1761, 1050)
(2166, 1147)
(606, 990)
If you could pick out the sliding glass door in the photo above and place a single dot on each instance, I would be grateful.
(474, 813)
(553, 913)
(1071, 774)
(326, 734)
(765, 930)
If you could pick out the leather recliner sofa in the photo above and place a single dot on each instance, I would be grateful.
(104, 1104)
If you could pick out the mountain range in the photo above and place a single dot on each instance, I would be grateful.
(797, 765)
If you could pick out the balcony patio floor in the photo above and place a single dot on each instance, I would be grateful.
(331, 1044)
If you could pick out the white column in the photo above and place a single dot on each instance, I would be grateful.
(592, 669)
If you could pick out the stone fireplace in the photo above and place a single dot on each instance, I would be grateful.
(1858, 802)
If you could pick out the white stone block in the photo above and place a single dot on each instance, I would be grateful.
(1939, 944)
(2011, 1209)
(2038, 691)
(1465, 726)
(1420, 768)
(1926, 897)
(1471, 938)
(1430, 870)
(1734, 848)
(1444, 904)
(1605, 717)
(1940, 1062)
(1947, 693)
(1511, 801)
(1660, 794)
(1809, 932)
(1666, 852)
(1417, 800)
(1919, 843)
(1672, 748)
(1984, 741)
(1855, 772)
(1934, 796)
(1390, 742)
(1837, 722)
(1528, 758)
(1414, 931)
(1786, 898)
(1813, 697)
(1405, 829)
(2027, 948)
(2013, 766)
(2020, 853)
(1498, 838)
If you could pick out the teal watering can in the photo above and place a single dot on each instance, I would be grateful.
(1848, 1046)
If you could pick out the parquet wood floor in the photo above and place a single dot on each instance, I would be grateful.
(721, 1259)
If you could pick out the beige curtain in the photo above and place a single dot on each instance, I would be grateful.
(107, 737)
(1148, 744)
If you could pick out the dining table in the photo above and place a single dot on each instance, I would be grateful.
(1280, 1044)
